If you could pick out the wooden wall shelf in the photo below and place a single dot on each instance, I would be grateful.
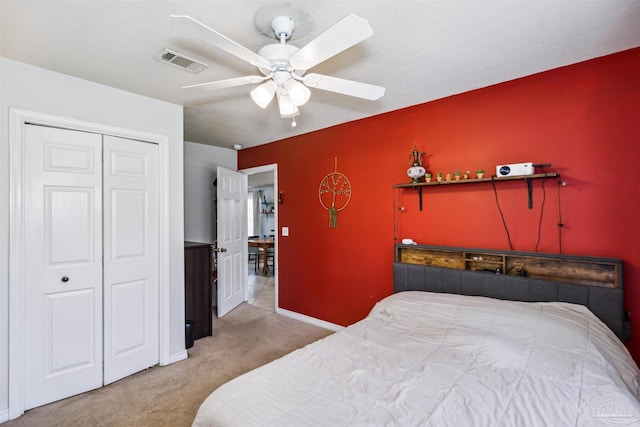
(527, 178)
(604, 272)
(266, 207)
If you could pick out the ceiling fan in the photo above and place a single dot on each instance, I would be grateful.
(283, 66)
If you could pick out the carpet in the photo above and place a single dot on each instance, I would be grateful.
(244, 339)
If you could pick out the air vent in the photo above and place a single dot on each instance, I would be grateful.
(177, 60)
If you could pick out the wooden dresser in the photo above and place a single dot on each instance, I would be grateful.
(197, 287)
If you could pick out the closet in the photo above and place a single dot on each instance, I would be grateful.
(91, 255)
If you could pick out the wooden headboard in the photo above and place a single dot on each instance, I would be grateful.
(605, 299)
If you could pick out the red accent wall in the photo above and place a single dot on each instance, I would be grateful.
(583, 118)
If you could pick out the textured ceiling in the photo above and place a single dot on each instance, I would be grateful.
(420, 51)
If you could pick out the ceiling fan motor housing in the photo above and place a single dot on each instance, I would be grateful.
(278, 56)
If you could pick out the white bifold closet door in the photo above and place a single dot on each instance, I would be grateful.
(130, 238)
(91, 255)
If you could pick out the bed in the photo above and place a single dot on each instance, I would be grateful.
(423, 358)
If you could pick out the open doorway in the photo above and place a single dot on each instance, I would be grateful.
(262, 227)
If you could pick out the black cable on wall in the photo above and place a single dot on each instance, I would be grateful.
(504, 223)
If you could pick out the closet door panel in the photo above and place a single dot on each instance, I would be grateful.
(128, 297)
(63, 253)
(129, 209)
(131, 257)
(64, 313)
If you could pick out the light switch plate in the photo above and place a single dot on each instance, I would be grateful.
(285, 231)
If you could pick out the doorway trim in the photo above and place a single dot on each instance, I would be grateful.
(269, 168)
(18, 119)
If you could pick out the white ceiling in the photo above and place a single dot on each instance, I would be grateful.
(421, 50)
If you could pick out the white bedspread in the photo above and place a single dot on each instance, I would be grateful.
(428, 359)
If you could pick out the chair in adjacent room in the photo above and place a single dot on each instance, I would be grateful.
(254, 255)
(271, 259)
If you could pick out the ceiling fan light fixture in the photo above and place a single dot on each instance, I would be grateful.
(287, 107)
(298, 92)
(263, 94)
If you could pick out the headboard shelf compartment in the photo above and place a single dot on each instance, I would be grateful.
(583, 270)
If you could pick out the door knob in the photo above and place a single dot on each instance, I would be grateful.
(64, 279)
(220, 250)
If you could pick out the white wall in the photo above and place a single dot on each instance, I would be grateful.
(200, 163)
(38, 90)
(260, 179)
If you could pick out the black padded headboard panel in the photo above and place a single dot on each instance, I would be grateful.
(605, 303)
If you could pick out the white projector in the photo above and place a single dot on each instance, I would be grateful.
(514, 169)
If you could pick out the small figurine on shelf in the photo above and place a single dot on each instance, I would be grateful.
(439, 176)
(448, 177)
(456, 175)
(480, 174)
(416, 171)
(466, 174)
(427, 177)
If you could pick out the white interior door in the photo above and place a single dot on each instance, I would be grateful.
(232, 239)
(63, 258)
(130, 257)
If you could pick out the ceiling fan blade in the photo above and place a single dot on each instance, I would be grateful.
(223, 84)
(347, 32)
(219, 40)
(343, 86)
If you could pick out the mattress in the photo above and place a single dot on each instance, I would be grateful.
(433, 359)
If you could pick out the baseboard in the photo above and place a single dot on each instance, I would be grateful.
(4, 415)
(309, 319)
(176, 357)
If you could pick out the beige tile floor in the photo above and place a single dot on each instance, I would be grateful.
(261, 289)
